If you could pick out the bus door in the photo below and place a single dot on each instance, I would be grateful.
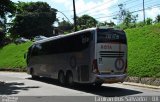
(111, 51)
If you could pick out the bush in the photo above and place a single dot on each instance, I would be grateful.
(143, 51)
(140, 24)
(12, 55)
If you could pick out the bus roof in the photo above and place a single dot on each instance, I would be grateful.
(70, 34)
(62, 36)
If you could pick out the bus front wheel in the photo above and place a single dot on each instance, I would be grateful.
(32, 74)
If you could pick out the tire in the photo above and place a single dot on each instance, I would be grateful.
(32, 74)
(61, 78)
(69, 79)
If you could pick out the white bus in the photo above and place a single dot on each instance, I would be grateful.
(91, 56)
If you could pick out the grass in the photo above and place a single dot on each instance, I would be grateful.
(144, 51)
(12, 55)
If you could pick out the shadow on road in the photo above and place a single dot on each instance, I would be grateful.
(102, 91)
(13, 88)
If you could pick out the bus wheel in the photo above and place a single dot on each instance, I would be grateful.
(32, 74)
(61, 78)
(69, 79)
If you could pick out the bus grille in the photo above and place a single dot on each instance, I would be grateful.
(111, 54)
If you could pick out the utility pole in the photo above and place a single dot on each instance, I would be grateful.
(143, 12)
(75, 21)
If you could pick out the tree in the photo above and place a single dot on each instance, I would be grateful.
(109, 24)
(32, 19)
(149, 21)
(126, 19)
(122, 12)
(65, 26)
(7, 7)
(157, 19)
(130, 20)
(86, 21)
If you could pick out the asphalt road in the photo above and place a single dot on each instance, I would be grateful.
(21, 86)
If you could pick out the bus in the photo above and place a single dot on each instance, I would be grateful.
(91, 56)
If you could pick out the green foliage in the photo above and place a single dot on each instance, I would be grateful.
(129, 18)
(157, 19)
(140, 24)
(6, 6)
(149, 21)
(110, 24)
(143, 51)
(129, 21)
(12, 56)
(86, 21)
(33, 7)
(32, 19)
(65, 26)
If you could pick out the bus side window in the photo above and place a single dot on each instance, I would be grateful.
(34, 51)
(39, 49)
(92, 34)
(29, 54)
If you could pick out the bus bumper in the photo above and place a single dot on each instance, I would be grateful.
(111, 78)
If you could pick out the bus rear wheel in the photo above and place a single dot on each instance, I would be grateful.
(61, 78)
(69, 79)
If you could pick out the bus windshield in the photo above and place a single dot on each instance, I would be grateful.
(110, 35)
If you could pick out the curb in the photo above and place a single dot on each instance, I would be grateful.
(13, 69)
(141, 85)
(144, 80)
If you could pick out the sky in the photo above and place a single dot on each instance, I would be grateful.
(102, 10)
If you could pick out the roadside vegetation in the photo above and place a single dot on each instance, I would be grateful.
(143, 51)
(12, 55)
